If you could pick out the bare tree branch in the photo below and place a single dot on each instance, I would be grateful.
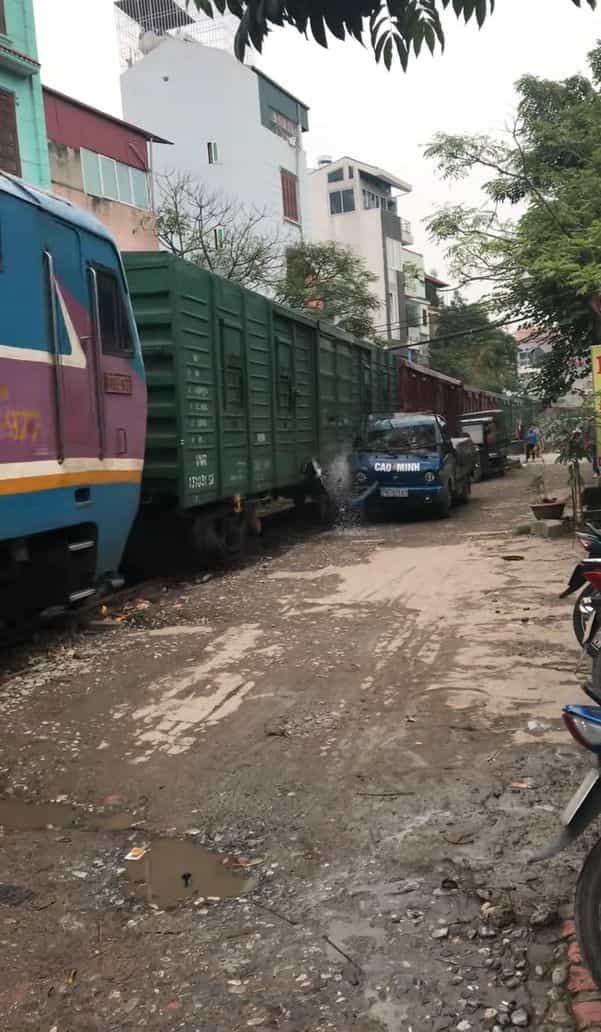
(217, 232)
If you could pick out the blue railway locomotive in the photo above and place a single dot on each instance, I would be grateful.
(72, 404)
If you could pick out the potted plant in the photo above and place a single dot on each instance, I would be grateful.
(572, 433)
(546, 506)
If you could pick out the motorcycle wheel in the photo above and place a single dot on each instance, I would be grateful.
(587, 911)
(581, 612)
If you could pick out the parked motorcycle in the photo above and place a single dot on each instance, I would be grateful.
(584, 607)
(584, 724)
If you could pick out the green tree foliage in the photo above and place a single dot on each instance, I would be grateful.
(330, 282)
(470, 347)
(542, 264)
(394, 28)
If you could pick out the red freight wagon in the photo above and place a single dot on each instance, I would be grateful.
(421, 389)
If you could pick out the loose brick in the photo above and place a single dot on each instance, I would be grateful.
(568, 930)
(580, 981)
(587, 1014)
(574, 954)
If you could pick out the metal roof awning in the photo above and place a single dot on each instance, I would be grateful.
(169, 16)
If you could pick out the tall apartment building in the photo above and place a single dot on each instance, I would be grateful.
(357, 205)
(23, 149)
(234, 131)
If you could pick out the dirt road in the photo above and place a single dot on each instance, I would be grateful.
(363, 725)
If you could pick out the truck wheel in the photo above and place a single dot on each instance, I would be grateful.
(466, 492)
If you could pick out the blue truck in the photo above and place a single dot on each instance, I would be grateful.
(411, 460)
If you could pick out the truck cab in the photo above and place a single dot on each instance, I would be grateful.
(410, 459)
(488, 432)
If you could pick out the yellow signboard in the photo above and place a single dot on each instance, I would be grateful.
(596, 367)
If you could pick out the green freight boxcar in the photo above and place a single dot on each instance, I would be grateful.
(247, 401)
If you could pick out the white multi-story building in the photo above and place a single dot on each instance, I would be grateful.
(356, 204)
(234, 131)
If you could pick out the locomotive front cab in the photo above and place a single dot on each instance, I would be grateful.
(72, 405)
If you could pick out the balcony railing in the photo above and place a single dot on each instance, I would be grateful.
(406, 232)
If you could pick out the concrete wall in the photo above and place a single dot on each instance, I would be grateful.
(132, 228)
(193, 95)
(21, 77)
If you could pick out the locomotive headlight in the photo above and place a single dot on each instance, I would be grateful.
(430, 478)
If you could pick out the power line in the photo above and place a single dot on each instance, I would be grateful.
(459, 333)
(442, 308)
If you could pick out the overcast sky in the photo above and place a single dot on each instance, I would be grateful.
(358, 108)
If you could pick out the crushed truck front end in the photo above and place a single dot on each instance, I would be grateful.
(403, 460)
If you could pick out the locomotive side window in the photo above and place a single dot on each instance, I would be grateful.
(114, 326)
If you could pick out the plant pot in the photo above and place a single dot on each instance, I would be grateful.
(548, 510)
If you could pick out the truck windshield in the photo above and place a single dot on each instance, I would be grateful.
(387, 436)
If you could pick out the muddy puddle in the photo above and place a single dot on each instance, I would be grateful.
(172, 871)
(19, 816)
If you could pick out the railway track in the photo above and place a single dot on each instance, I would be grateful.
(281, 530)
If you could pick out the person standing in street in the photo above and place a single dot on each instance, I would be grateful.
(531, 443)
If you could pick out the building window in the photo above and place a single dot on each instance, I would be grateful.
(114, 326)
(218, 237)
(351, 172)
(108, 171)
(213, 153)
(10, 160)
(290, 196)
(105, 177)
(342, 201)
(373, 200)
(424, 316)
(139, 187)
(2, 19)
(336, 175)
(280, 125)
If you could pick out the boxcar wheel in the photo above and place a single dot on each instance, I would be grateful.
(326, 509)
(219, 536)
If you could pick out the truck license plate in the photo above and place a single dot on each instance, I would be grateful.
(394, 492)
